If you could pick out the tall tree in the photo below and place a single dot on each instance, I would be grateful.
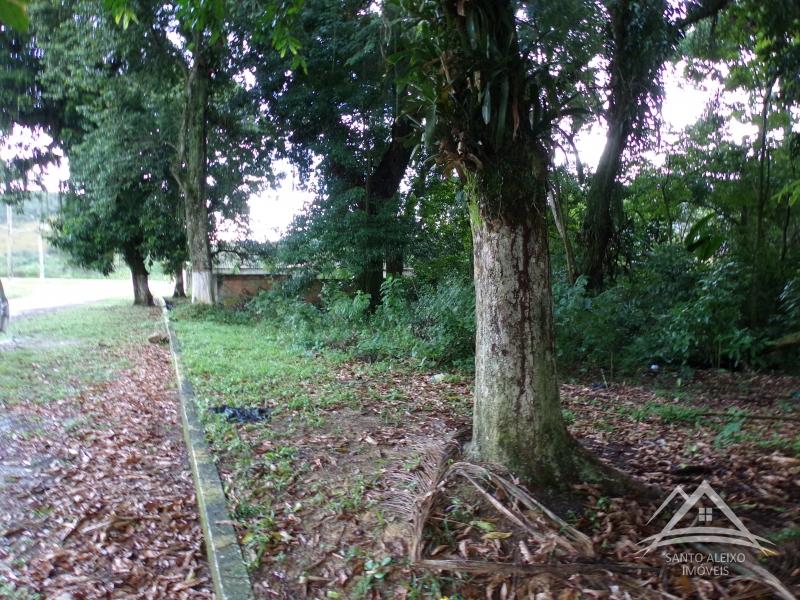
(346, 113)
(212, 179)
(640, 37)
(122, 197)
(119, 98)
(501, 76)
(191, 166)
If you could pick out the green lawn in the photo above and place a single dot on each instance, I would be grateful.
(245, 365)
(53, 355)
(337, 428)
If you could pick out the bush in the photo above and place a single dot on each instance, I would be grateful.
(432, 324)
(444, 319)
(435, 324)
(707, 328)
(672, 310)
(789, 317)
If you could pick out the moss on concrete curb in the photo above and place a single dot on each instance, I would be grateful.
(224, 555)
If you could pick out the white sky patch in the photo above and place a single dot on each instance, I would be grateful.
(272, 211)
(21, 143)
(683, 104)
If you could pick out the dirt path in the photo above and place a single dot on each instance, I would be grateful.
(96, 498)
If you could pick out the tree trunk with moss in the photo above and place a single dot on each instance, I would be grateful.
(192, 174)
(517, 419)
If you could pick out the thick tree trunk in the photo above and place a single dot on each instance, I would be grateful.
(179, 291)
(5, 310)
(139, 277)
(517, 417)
(194, 176)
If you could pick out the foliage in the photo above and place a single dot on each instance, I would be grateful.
(427, 323)
(673, 310)
(122, 197)
(339, 113)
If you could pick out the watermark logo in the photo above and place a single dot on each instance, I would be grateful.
(701, 530)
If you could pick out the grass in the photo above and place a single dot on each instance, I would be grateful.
(53, 355)
(252, 364)
(314, 462)
(255, 365)
(10, 591)
(668, 413)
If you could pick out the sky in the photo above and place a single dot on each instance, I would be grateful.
(272, 210)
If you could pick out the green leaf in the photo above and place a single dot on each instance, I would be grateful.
(14, 13)
(430, 126)
(791, 191)
(484, 525)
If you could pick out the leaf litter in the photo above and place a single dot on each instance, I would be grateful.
(373, 498)
(106, 508)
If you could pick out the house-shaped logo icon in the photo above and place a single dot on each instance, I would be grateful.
(737, 535)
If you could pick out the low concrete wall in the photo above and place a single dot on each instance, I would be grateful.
(225, 561)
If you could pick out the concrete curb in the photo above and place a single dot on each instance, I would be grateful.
(228, 572)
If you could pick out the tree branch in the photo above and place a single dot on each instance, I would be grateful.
(704, 10)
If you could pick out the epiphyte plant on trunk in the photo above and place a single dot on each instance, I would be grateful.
(498, 79)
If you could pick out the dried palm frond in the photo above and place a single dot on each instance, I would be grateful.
(417, 490)
(417, 493)
(750, 569)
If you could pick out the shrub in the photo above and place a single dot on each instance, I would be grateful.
(444, 321)
(707, 328)
(673, 309)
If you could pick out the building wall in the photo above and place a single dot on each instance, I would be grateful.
(237, 288)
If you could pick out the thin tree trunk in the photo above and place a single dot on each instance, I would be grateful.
(517, 416)
(192, 175)
(598, 227)
(5, 309)
(381, 186)
(762, 194)
(10, 245)
(554, 200)
(41, 252)
(179, 291)
(139, 277)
